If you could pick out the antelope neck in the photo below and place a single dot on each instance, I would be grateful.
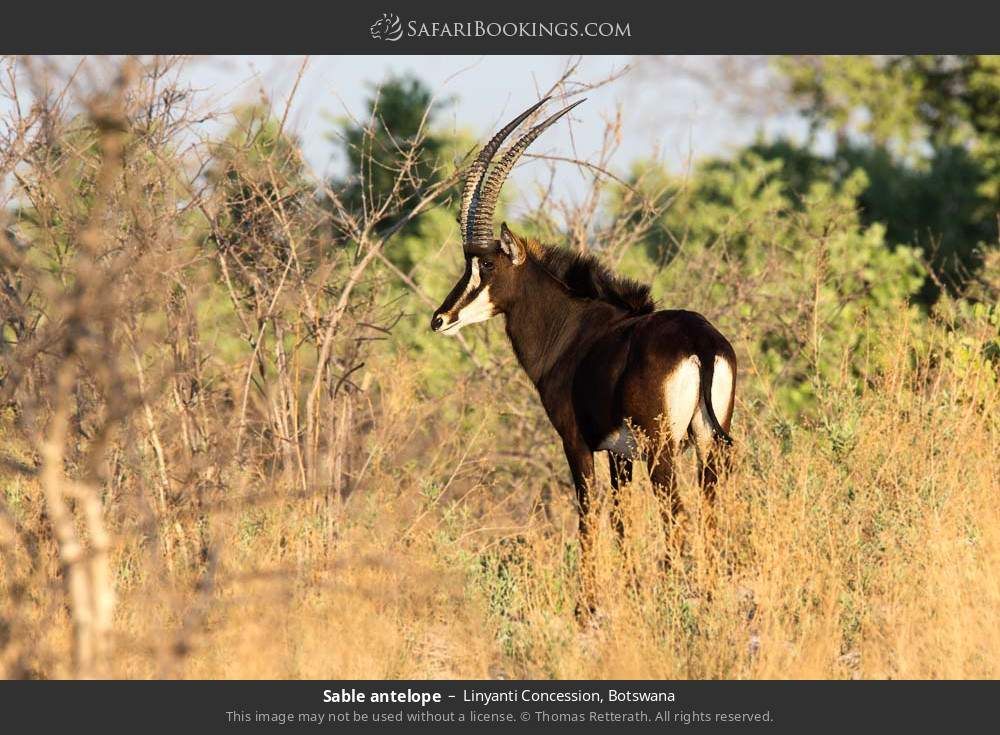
(542, 322)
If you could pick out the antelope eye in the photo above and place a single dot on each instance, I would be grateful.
(488, 265)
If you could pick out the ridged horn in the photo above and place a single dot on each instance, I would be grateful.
(477, 172)
(482, 223)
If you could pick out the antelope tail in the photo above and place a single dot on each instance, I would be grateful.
(707, 373)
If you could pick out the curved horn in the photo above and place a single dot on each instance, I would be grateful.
(477, 172)
(482, 224)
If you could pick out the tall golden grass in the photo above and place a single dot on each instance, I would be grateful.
(870, 550)
(250, 485)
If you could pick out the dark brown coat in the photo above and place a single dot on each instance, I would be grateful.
(612, 373)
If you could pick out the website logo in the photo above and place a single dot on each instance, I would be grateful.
(387, 28)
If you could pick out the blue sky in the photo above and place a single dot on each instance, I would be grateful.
(668, 111)
(663, 112)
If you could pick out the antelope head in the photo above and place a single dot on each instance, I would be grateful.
(492, 265)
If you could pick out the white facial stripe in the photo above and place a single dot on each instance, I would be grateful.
(478, 310)
(474, 280)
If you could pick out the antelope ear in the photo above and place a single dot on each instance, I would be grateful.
(511, 244)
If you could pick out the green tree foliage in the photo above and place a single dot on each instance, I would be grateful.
(793, 273)
(399, 132)
(799, 256)
(260, 179)
(926, 130)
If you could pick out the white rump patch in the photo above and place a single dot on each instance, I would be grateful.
(722, 391)
(680, 394)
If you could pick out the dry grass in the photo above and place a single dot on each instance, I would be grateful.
(280, 495)
(870, 550)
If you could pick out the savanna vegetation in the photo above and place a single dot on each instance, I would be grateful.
(231, 447)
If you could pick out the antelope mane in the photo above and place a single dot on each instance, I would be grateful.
(584, 276)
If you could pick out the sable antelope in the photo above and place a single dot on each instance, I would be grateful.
(606, 364)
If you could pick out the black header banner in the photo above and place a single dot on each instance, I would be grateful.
(449, 27)
(461, 706)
